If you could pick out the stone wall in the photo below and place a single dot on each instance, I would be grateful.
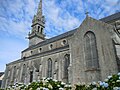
(106, 54)
(38, 65)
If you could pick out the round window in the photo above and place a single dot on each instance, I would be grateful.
(64, 42)
(51, 46)
(40, 49)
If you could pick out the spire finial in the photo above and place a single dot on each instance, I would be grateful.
(86, 13)
(39, 12)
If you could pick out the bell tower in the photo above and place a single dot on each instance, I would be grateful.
(38, 24)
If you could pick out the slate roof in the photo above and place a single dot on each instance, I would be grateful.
(70, 33)
(53, 39)
(111, 17)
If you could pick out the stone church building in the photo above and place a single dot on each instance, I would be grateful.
(85, 54)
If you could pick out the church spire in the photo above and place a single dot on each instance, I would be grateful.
(39, 12)
(38, 24)
(39, 15)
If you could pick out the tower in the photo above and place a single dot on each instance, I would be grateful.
(38, 24)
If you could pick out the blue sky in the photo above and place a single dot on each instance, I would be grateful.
(61, 16)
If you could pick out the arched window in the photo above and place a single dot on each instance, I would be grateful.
(91, 54)
(31, 76)
(56, 65)
(56, 70)
(8, 76)
(66, 65)
(40, 71)
(41, 30)
(40, 67)
(38, 28)
(49, 68)
(24, 73)
(51, 46)
(14, 74)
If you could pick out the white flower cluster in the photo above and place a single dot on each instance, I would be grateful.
(43, 84)
(116, 88)
(111, 83)
(16, 86)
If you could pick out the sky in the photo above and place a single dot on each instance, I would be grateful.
(61, 16)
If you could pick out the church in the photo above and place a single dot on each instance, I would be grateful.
(85, 54)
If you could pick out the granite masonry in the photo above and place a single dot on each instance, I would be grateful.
(88, 53)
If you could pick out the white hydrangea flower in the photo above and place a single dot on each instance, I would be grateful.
(41, 87)
(69, 86)
(20, 83)
(106, 80)
(30, 88)
(66, 85)
(51, 78)
(119, 73)
(54, 80)
(38, 80)
(43, 83)
(45, 89)
(16, 85)
(113, 82)
(58, 85)
(29, 83)
(61, 88)
(46, 81)
(13, 86)
(116, 88)
(62, 83)
(94, 89)
(109, 77)
(48, 78)
(118, 81)
(50, 86)
(93, 83)
(43, 78)
(38, 88)
(34, 80)
(88, 85)
(26, 85)
(9, 87)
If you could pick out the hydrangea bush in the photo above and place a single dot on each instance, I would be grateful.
(111, 83)
(44, 84)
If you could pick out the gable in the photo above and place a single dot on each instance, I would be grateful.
(92, 24)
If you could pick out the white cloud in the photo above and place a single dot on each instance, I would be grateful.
(18, 29)
(18, 15)
(59, 17)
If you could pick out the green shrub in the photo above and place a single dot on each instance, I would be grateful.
(111, 83)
